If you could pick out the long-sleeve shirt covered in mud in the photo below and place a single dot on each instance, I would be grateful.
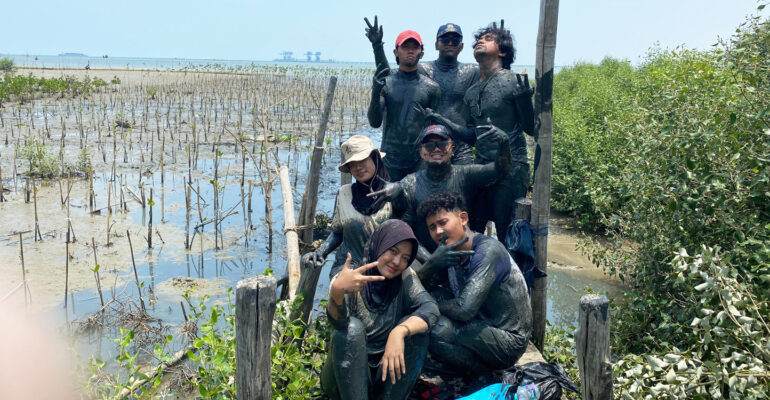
(482, 292)
(401, 123)
(454, 79)
(466, 180)
(354, 227)
(412, 300)
(501, 99)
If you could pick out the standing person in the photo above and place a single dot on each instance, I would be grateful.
(392, 105)
(502, 102)
(380, 314)
(355, 214)
(453, 77)
(486, 320)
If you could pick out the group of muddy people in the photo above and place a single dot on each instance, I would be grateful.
(414, 284)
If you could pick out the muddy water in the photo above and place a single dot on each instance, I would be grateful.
(167, 270)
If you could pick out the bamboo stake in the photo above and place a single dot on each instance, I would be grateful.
(66, 273)
(23, 271)
(541, 194)
(136, 276)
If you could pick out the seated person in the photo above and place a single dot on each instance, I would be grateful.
(486, 318)
(381, 315)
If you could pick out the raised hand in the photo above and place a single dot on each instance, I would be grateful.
(426, 112)
(353, 280)
(446, 255)
(491, 130)
(373, 32)
(522, 87)
(390, 192)
(314, 259)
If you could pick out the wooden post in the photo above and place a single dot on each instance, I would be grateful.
(254, 310)
(541, 194)
(2, 195)
(24, 271)
(289, 228)
(592, 340)
(310, 198)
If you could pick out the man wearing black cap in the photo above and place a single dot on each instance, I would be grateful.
(394, 97)
(439, 176)
(501, 101)
(452, 76)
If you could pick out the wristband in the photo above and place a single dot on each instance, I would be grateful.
(408, 331)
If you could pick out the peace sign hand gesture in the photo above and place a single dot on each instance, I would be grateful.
(373, 32)
(353, 280)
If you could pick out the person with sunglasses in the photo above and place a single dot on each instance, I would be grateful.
(453, 77)
(500, 102)
(440, 175)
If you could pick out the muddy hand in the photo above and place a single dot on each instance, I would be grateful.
(490, 130)
(391, 192)
(373, 32)
(446, 255)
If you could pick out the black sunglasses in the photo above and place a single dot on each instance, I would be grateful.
(430, 146)
(451, 40)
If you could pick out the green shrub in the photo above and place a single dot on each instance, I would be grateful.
(7, 65)
(42, 162)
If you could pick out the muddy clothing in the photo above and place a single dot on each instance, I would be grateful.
(354, 227)
(487, 322)
(454, 79)
(358, 342)
(501, 99)
(463, 179)
(401, 124)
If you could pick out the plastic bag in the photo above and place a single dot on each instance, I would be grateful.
(549, 378)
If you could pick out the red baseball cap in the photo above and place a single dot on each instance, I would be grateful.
(406, 35)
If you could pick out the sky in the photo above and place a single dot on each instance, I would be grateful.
(588, 30)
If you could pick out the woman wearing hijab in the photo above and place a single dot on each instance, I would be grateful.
(355, 215)
(381, 315)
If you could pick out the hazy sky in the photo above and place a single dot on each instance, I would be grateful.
(259, 30)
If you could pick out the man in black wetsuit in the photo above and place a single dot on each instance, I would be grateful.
(392, 106)
(500, 102)
(486, 319)
(440, 176)
(452, 76)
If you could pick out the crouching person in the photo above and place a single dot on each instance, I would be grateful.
(486, 319)
(381, 315)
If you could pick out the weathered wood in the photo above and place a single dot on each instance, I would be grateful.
(289, 228)
(310, 198)
(541, 194)
(592, 340)
(523, 209)
(308, 281)
(254, 311)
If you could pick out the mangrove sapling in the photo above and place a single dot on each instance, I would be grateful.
(149, 225)
(136, 276)
(96, 273)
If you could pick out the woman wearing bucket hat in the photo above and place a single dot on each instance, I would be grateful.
(355, 215)
(381, 315)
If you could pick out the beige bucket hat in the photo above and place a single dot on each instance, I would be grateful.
(356, 148)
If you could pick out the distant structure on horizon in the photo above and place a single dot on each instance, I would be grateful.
(288, 56)
(72, 55)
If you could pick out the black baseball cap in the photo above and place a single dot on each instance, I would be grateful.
(448, 28)
(434, 130)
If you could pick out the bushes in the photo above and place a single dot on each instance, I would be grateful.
(7, 66)
(669, 158)
(22, 88)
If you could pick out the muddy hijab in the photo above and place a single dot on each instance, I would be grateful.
(377, 295)
(364, 204)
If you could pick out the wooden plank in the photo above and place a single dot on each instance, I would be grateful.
(541, 195)
(592, 340)
(254, 311)
(310, 198)
(290, 230)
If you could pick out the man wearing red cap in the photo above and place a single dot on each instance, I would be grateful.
(392, 106)
(453, 77)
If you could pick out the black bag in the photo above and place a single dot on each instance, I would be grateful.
(549, 378)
